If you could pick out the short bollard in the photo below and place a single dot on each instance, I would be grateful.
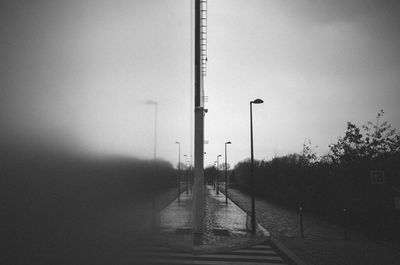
(214, 182)
(345, 223)
(248, 222)
(301, 221)
(154, 215)
(179, 192)
(187, 183)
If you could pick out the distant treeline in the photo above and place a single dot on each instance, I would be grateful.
(338, 180)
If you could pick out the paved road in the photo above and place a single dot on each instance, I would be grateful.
(324, 242)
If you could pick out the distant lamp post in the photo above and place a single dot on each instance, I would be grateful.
(253, 202)
(179, 171)
(152, 102)
(218, 173)
(226, 175)
(186, 173)
(213, 176)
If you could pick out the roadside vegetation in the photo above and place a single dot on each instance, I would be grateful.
(339, 182)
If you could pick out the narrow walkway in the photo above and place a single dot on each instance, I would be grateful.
(224, 226)
(323, 243)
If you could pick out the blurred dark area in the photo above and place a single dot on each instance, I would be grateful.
(68, 208)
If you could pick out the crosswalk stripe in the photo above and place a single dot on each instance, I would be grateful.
(258, 254)
(261, 247)
(155, 261)
(236, 257)
(252, 252)
(168, 254)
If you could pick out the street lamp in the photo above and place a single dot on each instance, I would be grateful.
(213, 176)
(218, 173)
(186, 173)
(152, 102)
(179, 170)
(253, 202)
(226, 175)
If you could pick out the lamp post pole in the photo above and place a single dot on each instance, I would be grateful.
(218, 173)
(152, 102)
(179, 172)
(226, 175)
(186, 173)
(253, 204)
(213, 178)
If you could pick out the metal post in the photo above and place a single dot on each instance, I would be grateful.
(186, 174)
(253, 208)
(214, 175)
(179, 172)
(187, 179)
(198, 191)
(345, 223)
(301, 221)
(226, 175)
(253, 200)
(213, 181)
(218, 173)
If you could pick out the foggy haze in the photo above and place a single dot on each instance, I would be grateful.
(77, 74)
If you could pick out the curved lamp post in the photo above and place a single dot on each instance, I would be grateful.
(253, 204)
(226, 175)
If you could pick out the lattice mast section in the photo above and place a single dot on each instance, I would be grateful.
(200, 71)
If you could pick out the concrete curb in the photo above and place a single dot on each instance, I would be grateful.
(292, 258)
(279, 246)
(259, 226)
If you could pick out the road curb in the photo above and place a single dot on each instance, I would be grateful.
(292, 258)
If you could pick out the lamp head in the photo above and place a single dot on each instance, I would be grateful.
(229, 142)
(177, 142)
(257, 101)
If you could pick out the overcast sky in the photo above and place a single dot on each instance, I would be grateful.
(78, 73)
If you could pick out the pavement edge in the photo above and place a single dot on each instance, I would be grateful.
(279, 247)
(292, 258)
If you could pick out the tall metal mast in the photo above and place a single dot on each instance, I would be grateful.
(200, 66)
